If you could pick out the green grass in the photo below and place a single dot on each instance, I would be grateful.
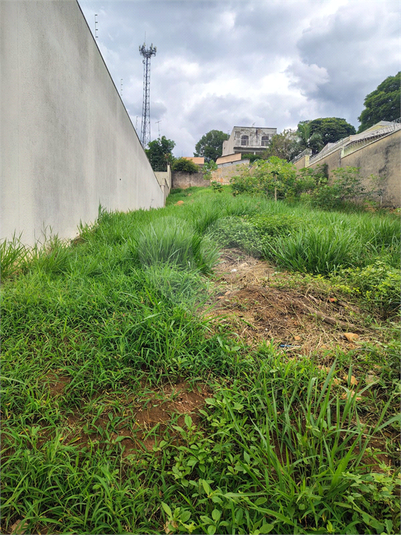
(316, 250)
(13, 254)
(279, 447)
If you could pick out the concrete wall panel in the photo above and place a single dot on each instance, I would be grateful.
(67, 142)
(382, 158)
(225, 173)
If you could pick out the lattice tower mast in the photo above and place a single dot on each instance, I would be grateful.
(147, 53)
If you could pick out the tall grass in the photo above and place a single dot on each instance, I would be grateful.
(13, 254)
(173, 241)
(317, 251)
(113, 317)
(287, 454)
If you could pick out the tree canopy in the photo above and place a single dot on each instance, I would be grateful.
(159, 153)
(283, 145)
(308, 139)
(184, 165)
(317, 133)
(382, 104)
(210, 146)
(331, 129)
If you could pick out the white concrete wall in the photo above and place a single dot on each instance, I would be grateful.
(164, 180)
(67, 143)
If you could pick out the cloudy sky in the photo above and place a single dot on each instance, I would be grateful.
(222, 63)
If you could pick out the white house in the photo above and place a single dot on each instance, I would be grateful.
(248, 139)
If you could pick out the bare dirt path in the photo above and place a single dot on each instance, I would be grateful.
(263, 304)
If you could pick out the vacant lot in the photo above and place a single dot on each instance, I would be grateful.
(221, 365)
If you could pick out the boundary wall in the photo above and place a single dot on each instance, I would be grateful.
(164, 180)
(183, 180)
(223, 174)
(226, 171)
(379, 157)
(67, 142)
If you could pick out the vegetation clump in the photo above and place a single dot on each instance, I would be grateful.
(132, 401)
(382, 104)
(185, 166)
(279, 179)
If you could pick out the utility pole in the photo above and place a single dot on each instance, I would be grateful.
(147, 53)
(158, 126)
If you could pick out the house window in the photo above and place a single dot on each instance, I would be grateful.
(265, 141)
(244, 140)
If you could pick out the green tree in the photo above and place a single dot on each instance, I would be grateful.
(331, 129)
(275, 177)
(159, 153)
(382, 104)
(210, 146)
(208, 169)
(283, 146)
(307, 139)
(186, 166)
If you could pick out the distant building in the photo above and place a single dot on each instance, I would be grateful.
(228, 160)
(197, 160)
(248, 139)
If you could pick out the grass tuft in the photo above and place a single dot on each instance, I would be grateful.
(173, 241)
(127, 408)
(13, 255)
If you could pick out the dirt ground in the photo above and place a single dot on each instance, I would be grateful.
(138, 423)
(260, 304)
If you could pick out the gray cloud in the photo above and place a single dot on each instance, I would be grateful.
(345, 56)
(220, 62)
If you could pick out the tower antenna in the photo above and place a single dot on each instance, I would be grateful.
(147, 53)
(96, 23)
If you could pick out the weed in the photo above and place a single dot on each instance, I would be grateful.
(233, 231)
(12, 256)
(171, 240)
(379, 284)
(90, 330)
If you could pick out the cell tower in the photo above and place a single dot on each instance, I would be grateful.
(147, 53)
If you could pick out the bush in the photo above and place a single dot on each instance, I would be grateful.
(308, 180)
(279, 179)
(216, 186)
(346, 186)
(378, 284)
(185, 166)
(273, 177)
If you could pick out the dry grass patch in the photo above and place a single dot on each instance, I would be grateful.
(257, 305)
